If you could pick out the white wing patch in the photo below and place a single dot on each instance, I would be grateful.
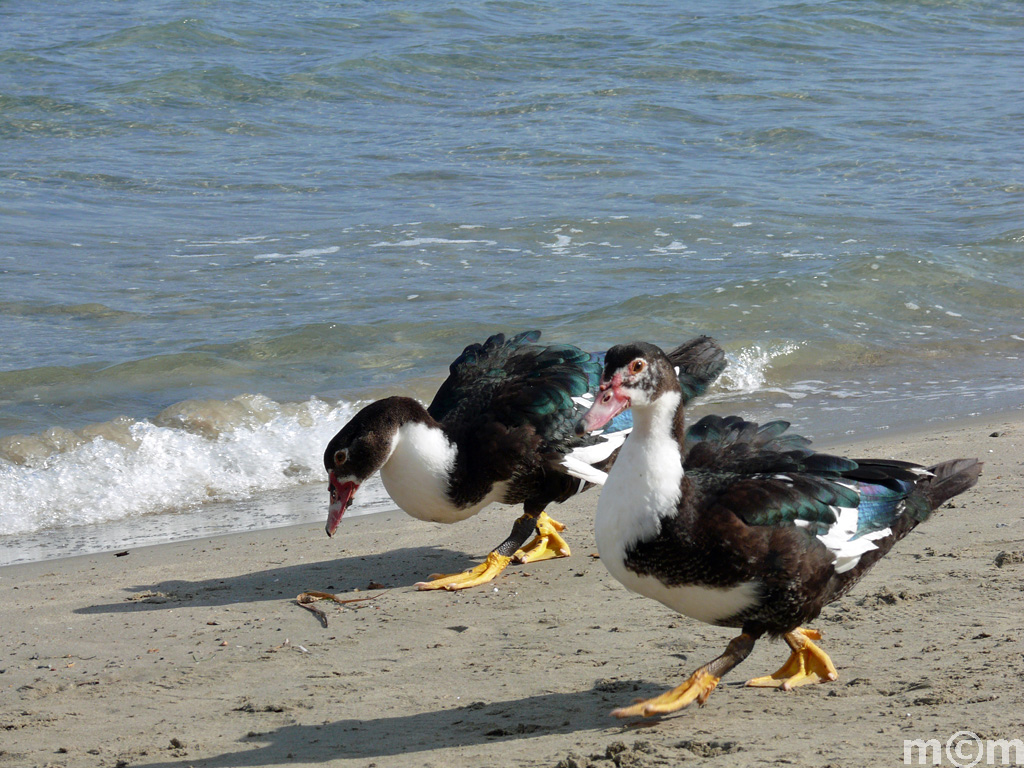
(839, 538)
(840, 542)
(579, 461)
(584, 401)
(601, 450)
(584, 471)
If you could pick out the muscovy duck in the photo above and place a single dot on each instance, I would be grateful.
(500, 429)
(744, 526)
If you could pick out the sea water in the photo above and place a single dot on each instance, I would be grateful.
(225, 226)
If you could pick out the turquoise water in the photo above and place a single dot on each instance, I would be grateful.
(222, 226)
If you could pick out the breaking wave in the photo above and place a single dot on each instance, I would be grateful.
(193, 453)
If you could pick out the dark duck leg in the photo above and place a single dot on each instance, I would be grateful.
(500, 429)
(740, 525)
(697, 688)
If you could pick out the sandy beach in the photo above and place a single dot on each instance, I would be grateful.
(197, 654)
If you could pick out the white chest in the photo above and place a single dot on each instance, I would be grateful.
(417, 475)
(644, 487)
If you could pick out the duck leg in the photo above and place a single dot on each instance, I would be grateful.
(699, 685)
(548, 542)
(806, 664)
(495, 563)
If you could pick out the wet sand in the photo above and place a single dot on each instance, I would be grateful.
(196, 653)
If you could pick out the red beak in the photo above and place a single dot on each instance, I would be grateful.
(341, 495)
(608, 404)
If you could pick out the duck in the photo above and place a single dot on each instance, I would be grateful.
(499, 429)
(743, 525)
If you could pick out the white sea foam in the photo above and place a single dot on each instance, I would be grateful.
(747, 369)
(244, 240)
(305, 253)
(416, 241)
(561, 244)
(674, 246)
(205, 452)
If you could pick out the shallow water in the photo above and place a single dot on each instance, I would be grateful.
(200, 203)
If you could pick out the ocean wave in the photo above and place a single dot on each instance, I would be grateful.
(747, 369)
(191, 454)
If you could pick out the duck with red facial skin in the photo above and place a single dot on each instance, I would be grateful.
(608, 404)
(341, 496)
(500, 429)
(744, 525)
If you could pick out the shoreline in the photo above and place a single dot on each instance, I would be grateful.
(195, 653)
(306, 504)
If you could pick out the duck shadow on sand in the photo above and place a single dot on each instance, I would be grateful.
(397, 568)
(467, 726)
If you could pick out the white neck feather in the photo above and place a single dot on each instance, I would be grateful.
(644, 484)
(657, 420)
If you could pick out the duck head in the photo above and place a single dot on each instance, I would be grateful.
(635, 375)
(355, 453)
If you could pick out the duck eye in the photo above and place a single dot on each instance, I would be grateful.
(340, 457)
(637, 366)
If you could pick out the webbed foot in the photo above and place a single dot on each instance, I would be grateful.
(806, 664)
(487, 570)
(699, 686)
(547, 544)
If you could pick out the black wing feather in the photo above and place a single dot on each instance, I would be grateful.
(517, 384)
